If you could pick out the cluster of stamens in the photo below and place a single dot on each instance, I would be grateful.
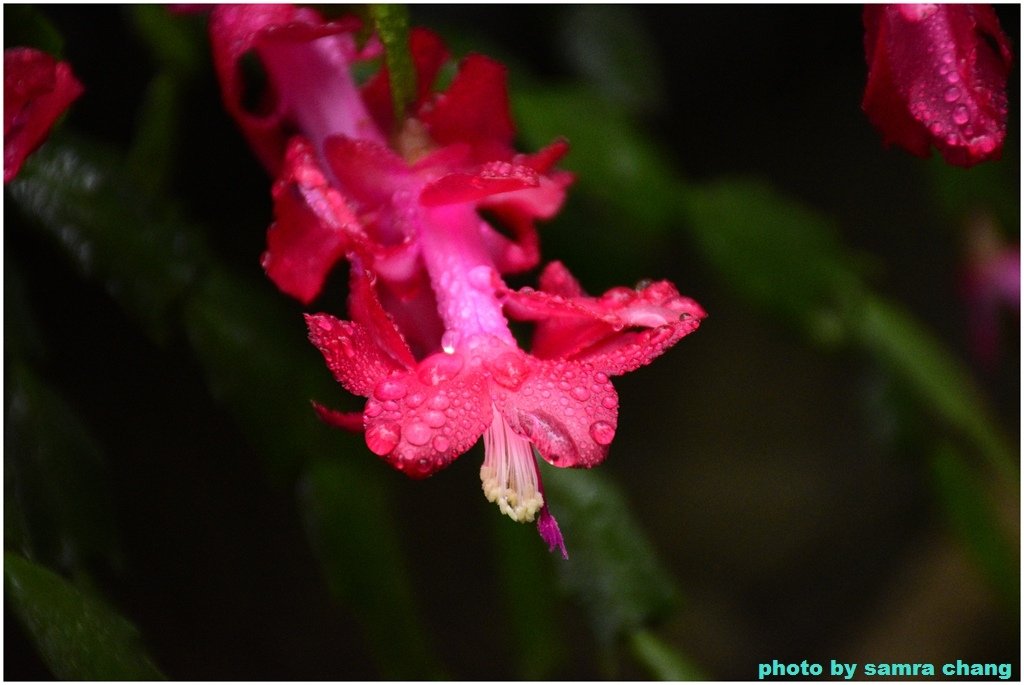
(509, 473)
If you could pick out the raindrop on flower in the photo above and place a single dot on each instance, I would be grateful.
(417, 433)
(390, 389)
(383, 438)
(602, 432)
(952, 94)
(961, 116)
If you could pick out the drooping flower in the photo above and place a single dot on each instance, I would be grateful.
(428, 341)
(937, 77)
(37, 90)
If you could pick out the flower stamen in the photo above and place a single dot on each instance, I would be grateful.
(509, 472)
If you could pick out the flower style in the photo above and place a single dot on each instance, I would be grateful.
(428, 341)
(937, 76)
(37, 90)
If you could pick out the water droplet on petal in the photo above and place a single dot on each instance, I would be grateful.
(953, 76)
(602, 432)
(481, 277)
(417, 433)
(434, 419)
(952, 94)
(952, 139)
(600, 377)
(324, 323)
(936, 128)
(383, 438)
(439, 402)
(449, 340)
(961, 116)
(440, 443)
(390, 389)
(373, 409)
(580, 393)
(510, 370)
(438, 368)
(609, 402)
(414, 400)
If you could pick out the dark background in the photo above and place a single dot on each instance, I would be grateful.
(756, 463)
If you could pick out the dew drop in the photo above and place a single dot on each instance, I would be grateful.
(580, 393)
(417, 433)
(481, 277)
(951, 139)
(438, 368)
(609, 402)
(449, 340)
(440, 443)
(414, 400)
(952, 94)
(953, 76)
(439, 402)
(961, 116)
(600, 377)
(383, 438)
(390, 389)
(373, 409)
(602, 432)
(324, 323)
(434, 419)
(509, 370)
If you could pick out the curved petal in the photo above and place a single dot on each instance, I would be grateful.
(618, 332)
(491, 179)
(937, 76)
(567, 409)
(313, 226)
(474, 110)
(420, 421)
(351, 355)
(350, 421)
(37, 90)
(365, 309)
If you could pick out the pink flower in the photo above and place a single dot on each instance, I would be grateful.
(428, 341)
(37, 90)
(937, 76)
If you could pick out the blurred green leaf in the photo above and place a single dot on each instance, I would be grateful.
(24, 26)
(529, 598)
(81, 196)
(609, 46)
(78, 636)
(55, 482)
(260, 365)
(618, 168)
(970, 513)
(151, 158)
(612, 570)
(392, 24)
(777, 254)
(663, 662)
(348, 519)
(176, 43)
(937, 379)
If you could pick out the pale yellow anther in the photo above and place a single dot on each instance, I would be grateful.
(509, 473)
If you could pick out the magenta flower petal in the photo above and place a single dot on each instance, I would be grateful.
(37, 90)
(350, 353)
(566, 409)
(428, 56)
(937, 77)
(618, 332)
(313, 226)
(474, 110)
(420, 421)
(350, 421)
(492, 179)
